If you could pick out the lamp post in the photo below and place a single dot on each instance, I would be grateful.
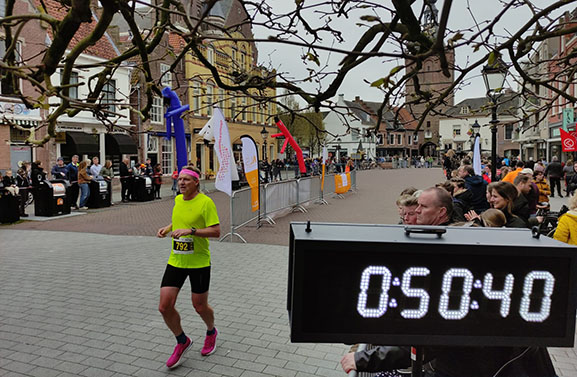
(475, 127)
(264, 134)
(494, 76)
(338, 148)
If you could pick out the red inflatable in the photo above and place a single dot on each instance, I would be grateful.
(289, 139)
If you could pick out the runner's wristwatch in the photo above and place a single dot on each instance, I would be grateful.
(193, 230)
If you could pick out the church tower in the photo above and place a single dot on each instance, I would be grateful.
(432, 80)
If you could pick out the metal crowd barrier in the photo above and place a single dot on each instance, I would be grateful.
(277, 196)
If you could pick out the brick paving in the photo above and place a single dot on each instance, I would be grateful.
(79, 294)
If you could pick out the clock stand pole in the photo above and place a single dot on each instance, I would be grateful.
(416, 361)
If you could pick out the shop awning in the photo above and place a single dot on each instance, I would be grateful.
(117, 144)
(80, 143)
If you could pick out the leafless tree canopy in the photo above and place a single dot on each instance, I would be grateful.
(405, 33)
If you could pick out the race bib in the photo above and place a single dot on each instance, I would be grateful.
(183, 245)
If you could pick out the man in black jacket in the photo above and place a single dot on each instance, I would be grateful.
(477, 186)
(554, 171)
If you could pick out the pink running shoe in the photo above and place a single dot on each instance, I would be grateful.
(177, 356)
(209, 344)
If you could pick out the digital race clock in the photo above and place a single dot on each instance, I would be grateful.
(455, 286)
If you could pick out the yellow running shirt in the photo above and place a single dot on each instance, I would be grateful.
(199, 213)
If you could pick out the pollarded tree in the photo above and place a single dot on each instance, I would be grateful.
(335, 39)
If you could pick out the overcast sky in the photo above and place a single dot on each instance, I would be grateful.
(286, 59)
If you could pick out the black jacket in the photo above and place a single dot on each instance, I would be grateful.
(124, 171)
(554, 170)
(478, 187)
(462, 361)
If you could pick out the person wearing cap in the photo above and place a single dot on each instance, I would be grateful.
(59, 171)
(194, 220)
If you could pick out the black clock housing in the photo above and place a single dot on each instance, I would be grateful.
(382, 284)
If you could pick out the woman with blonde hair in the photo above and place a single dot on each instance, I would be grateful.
(567, 227)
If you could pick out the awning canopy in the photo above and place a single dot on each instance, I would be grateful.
(80, 143)
(117, 144)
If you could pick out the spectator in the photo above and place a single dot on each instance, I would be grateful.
(23, 184)
(83, 180)
(502, 196)
(107, 172)
(435, 207)
(554, 171)
(10, 183)
(59, 171)
(72, 176)
(568, 172)
(95, 167)
(37, 174)
(126, 180)
(493, 218)
(408, 204)
(533, 195)
(521, 204)
(478, 187)
(157, 180)
(567, 227)
(544, 190)
(510, 177)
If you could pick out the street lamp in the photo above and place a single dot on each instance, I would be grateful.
(264, 134)
(494, 76)
(475, 127)
(338, 148)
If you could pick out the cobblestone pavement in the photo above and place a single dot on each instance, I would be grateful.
(75, 302)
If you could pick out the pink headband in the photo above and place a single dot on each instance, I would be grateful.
(191, 173)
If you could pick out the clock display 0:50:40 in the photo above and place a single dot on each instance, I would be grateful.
(503, 295)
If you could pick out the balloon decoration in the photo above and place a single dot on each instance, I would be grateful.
(173, 117)
(290, 140)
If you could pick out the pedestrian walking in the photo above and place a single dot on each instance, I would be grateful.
(126, 180)
(194, 220)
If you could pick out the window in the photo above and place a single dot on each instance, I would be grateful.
(18, 50)
(73, 92)
(243, 109)
(165, 75)
(399, 139)
(166, 156)
(415, 139)
(456, 131)
(233, 56)
(232, 106)
(210, 54)
(196, 98)
(108, 97)
(152, 144)
(464, 109)
(354, 134)
(209, 99)
(428, 123)
(391, 139)
(156, 110)
(221, 102)
(243, 60)
(508, 132)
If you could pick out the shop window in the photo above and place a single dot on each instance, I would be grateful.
(167, 162)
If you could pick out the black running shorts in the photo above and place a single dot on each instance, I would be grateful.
(175, 277)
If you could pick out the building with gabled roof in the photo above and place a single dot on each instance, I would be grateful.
(82, 134)
(456, 127)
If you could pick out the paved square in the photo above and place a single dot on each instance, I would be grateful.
(86, 305)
